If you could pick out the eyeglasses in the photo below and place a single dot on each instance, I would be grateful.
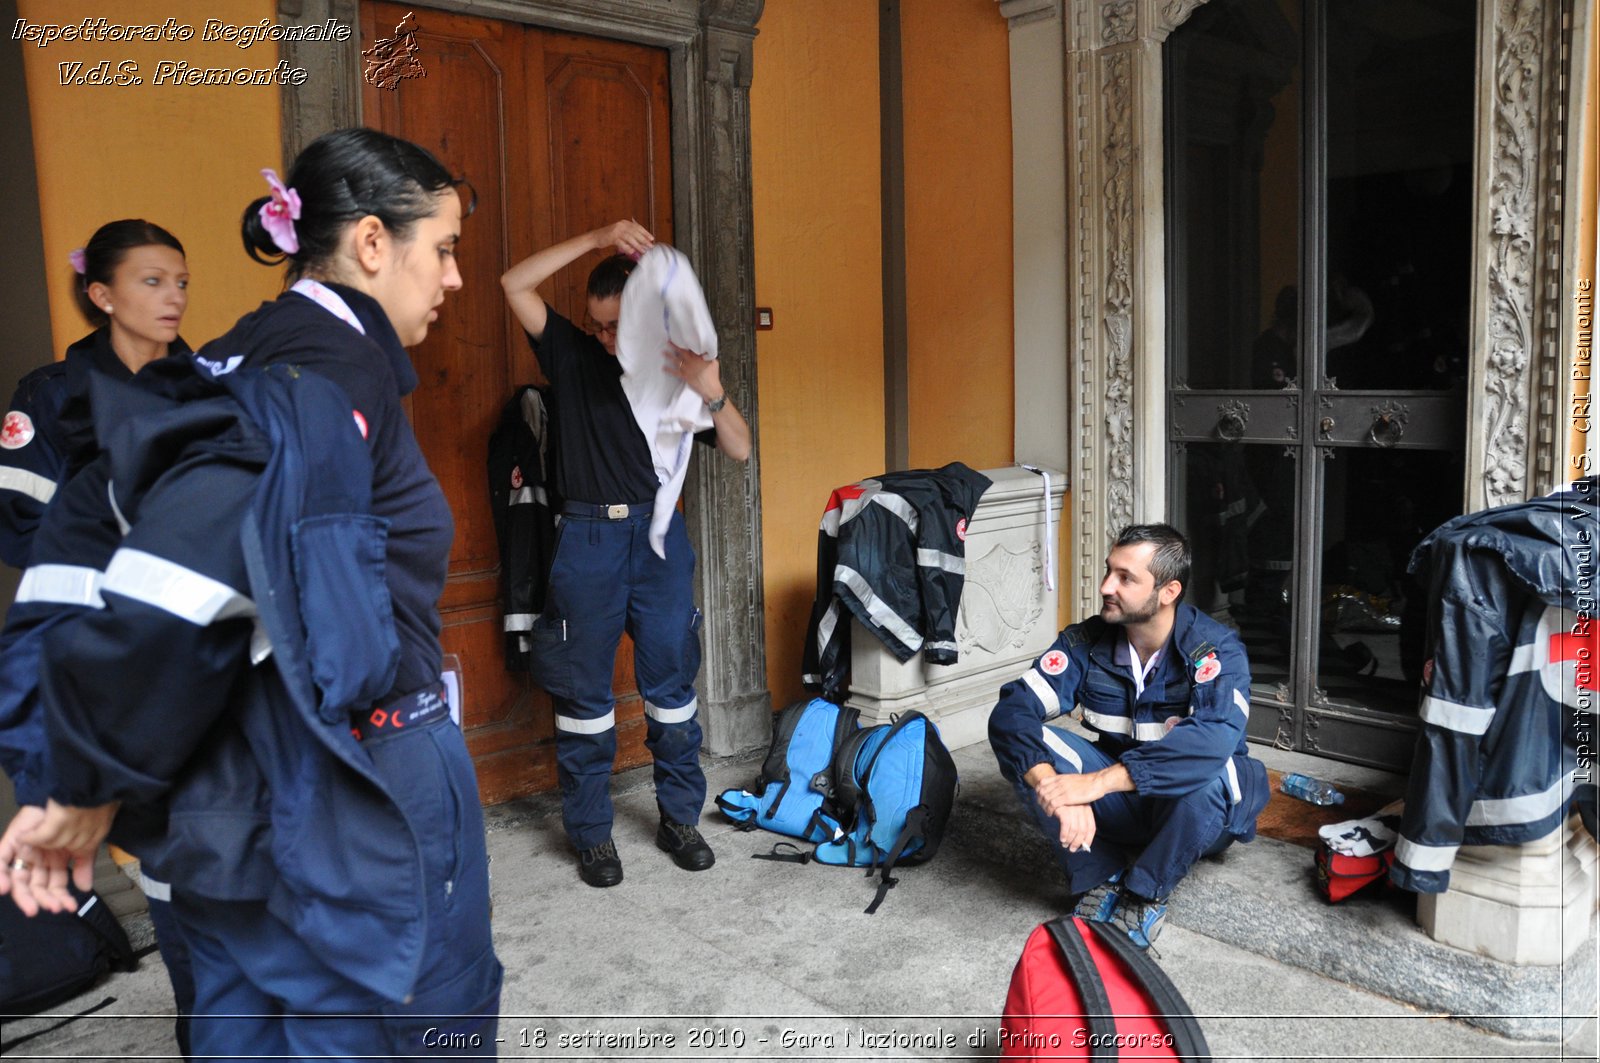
(591, 325)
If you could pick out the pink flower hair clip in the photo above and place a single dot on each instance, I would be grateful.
(80, 262)
(279, 214)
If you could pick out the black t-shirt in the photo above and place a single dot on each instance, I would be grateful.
(375, 372)
(600, 454)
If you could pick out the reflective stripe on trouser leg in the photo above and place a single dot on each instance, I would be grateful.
(666, 652)
(1072, 755)
(587, 592)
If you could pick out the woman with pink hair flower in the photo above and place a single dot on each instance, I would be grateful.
(132, 284)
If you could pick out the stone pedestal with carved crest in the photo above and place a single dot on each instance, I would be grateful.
(1007, 618)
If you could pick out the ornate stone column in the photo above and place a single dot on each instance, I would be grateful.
(723, 498)
(709, 44)
(1115, 264)
(1524, 89)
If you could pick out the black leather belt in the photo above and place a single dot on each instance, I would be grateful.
(412, 712)
(596, 511)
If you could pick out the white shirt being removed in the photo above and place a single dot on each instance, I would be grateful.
(662, 300)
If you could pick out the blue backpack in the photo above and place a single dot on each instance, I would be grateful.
(897, 786)
(872, 797)
(794, 793)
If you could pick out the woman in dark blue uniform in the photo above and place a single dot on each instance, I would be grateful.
(133, 286)
(132, 283)
(356, 894)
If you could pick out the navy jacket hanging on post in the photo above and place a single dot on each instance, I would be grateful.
(891, 551)
(1509, 687)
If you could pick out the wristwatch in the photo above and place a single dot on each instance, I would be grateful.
(722, 400)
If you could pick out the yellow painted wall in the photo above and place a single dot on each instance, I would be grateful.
(1582, 415)
(185, 157)
(814, 137)
(957, 104)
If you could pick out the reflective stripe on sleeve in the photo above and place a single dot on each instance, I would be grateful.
(1523, 659)
(28, 483)
(1244, 705)
(167, 585)
(1232, 773)
(1043, 691)
(518, 622)
(596, 726)
(939, 559)
(949, 646)
(682, 714)
(898, 506)
(877, 608)
(524, 496)
(1467, 719)
(1420, 857)
(61, 585)
(154, 889)
(1527, 808)
(1059, 746)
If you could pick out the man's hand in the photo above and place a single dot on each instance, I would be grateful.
(1077, 827)
(1067, 798)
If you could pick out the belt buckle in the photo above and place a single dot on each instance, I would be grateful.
(619, 512)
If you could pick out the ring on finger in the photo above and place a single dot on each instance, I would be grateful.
(19, 864)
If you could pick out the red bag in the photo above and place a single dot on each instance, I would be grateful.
(1082, 990)
(1340, 874)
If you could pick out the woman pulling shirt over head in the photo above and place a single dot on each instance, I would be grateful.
(133, 285)
(324, 860)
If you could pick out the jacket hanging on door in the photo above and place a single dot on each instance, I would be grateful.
(524, 516)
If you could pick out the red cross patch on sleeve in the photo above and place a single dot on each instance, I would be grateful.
(17, 430)
(1208, 669)
(1053, 663)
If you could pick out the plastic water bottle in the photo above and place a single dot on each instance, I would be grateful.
(1314, 790)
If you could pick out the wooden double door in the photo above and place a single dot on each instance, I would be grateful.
(557, 134)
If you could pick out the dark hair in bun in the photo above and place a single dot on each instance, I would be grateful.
(342, 177)
(105, 251)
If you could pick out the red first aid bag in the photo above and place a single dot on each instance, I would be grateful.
(1340, 874)
(1082, 990)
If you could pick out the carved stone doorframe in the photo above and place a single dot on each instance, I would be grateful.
(709, 46)
(1115, 249)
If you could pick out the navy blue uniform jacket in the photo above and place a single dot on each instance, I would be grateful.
(1186, 730)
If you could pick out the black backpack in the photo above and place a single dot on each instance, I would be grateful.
(54, 956)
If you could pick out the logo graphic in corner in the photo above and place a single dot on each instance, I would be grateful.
(961, 529)
(1207, 669)
(17, 431)
(391, 60)
(361, 422)
(516, 477)
(1053, 663)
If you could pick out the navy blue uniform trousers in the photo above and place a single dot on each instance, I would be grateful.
(604, 580)
(261, 993)
(1154, 839)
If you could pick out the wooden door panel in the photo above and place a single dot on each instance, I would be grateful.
(608, 119)
(532, 120)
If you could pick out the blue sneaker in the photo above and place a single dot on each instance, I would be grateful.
(1142, 919)
(1098, 905)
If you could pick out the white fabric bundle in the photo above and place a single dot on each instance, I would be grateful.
(662, 300)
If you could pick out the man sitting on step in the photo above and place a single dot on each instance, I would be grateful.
(1165, 690)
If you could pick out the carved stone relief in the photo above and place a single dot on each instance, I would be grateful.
(1001, 600)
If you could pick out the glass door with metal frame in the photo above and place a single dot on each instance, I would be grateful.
(1319, 223)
